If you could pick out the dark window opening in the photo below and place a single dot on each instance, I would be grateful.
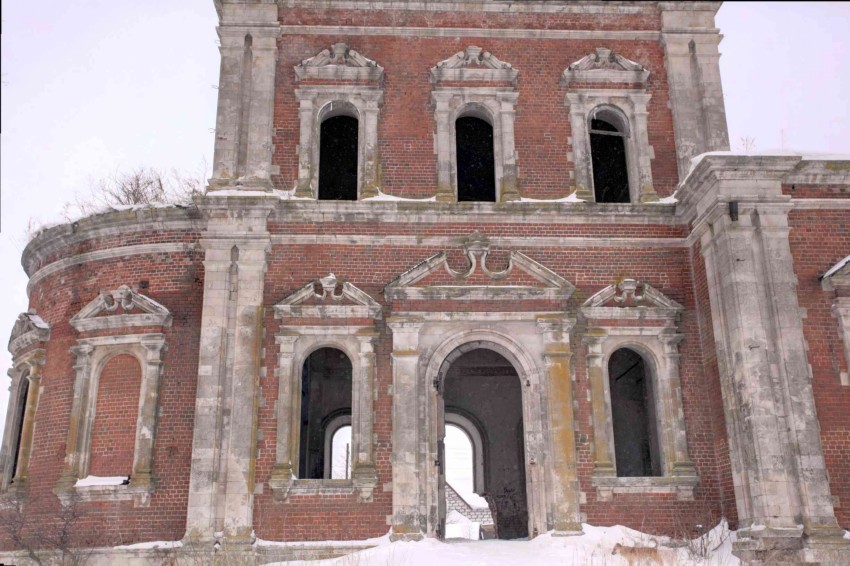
(338, 159)
(635, 438)
(325, 394)
(608, 157)
(19, 424)
(476, 166)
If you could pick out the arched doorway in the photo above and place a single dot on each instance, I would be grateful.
(483, 385)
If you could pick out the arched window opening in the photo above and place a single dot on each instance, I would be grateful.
(325, 392)
(340, 456)
(19, 423)
(632, 405)
(338, 158)
(476, 166)
(608, 158)
(460, 460)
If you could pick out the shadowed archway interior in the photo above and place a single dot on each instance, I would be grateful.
(483, 384)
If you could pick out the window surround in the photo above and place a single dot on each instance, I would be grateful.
(320, 102)
(615, 79)
(296, 342)
(27, 365)
(92, 354)
(649, 326)
(496, 105)
(837, 279)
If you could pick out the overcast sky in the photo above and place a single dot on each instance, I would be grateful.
(93, 87)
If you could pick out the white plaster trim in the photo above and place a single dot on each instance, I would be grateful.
(502, 33)
(473, 5)
(364, 307)
(471, 316)
(153, 313)
(604, 66)
(658, 306)
(29, 329)
(339, 63)
(473, 64)
(445, 241)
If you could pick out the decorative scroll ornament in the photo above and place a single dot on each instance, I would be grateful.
(296, 304)
(476, 248)
(632, 299)
(339, 62)
(131, 308)
(29, 328)
(474, 64)
(605, 66)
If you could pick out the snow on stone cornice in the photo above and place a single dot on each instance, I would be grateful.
(338, 62)
(90, 481)
(834, 269)
(29, 328)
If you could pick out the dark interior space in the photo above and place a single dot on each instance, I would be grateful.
(608, 156)
(476, 167)
(325, 394)
(635, 445)
(484, 385)
(19, 424)
(338, 159)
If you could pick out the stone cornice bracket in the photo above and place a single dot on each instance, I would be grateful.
(131, 308)
(605, 66)
(29, 329)
(837, 277)
(476, 248)
(340, 62)
(364, 306)
(474, 64)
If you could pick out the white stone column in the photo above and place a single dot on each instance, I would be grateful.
(79, 428)
(670, 393)
(408, 520)
(603, 447)
(370, 160)
(557, 356)
(146, 422)
(283, 470)
(508, 184)
(363, 418)
(445, 186)
(221, 482)
(583, 175)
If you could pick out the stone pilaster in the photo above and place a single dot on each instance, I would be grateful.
(408, 519)
(221, 484)
(557, 356)
(781, 485)
(690, 42)
(244, 123)
(603, 450)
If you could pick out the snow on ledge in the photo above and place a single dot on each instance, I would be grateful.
(805, 156)
(383, 197)
(570, 198)
(102, 480)
(152, 545)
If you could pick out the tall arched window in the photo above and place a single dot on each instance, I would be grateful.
(19, 423)
(633, 408)
(608, 132)
(325, 393)
(338, 151)
(476, 166)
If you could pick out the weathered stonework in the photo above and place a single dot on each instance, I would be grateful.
(728, 295)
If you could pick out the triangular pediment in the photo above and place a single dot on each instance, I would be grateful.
(630, 299)
(477, 282)
(120, 308)
(334, 301)
(338, 62)
(838, 276)
(473, 64)
(29, 328)
(605, 66)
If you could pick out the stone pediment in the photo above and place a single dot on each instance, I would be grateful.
(631, 299)
(350, 302)
(605, 66)
(838, 276)
(29, 328)
(538, 281)
(339, 62)
(474, 64)
(120, 308)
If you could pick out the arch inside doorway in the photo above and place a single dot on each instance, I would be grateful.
(480, 382)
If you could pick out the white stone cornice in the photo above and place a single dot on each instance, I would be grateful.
(136, 310)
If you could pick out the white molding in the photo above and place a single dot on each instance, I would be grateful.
(364, 305)
(29, 329)
(339, 63)
(473, 64)
(604, 66)
(152, 313)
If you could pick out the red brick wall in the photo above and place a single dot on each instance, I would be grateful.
(114, 431)
(406, 123)
(819, 239)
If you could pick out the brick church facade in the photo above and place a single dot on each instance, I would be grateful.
(633, 336)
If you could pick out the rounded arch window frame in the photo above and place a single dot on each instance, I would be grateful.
(477, 438)
(26, 370)
(651, 372)
(334, 424)
(333, 109)
(480, 111)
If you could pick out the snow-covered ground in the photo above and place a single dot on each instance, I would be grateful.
(595, 547)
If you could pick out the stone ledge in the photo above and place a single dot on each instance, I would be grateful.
(682, 486)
